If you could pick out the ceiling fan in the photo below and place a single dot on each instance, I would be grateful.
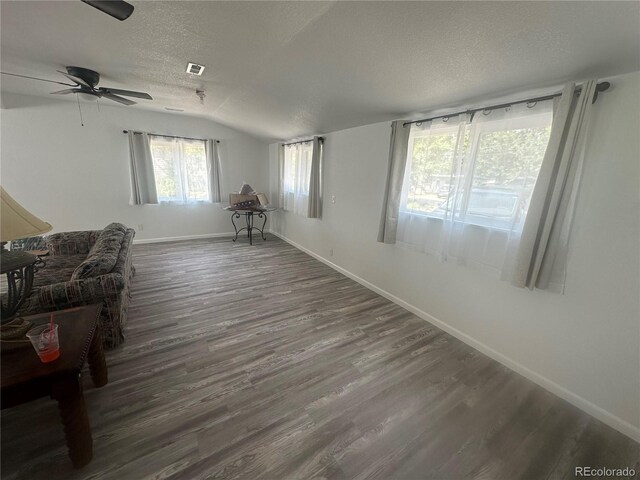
(86, 81)
(116, 8)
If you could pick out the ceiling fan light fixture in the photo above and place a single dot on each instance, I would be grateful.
(194, 68)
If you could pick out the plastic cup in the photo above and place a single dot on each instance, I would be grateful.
(45, 341)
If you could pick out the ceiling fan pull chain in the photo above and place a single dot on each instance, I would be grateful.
(80, 110)
(98, 102)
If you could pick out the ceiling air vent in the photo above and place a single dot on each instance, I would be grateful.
(195, 69)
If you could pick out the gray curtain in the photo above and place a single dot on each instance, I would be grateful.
(213, 166)
(395, 179)
(143, 182)
(315, 180)
(280, 175)
(541, 258)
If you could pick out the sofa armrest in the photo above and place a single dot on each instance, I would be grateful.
(72, 243)
(83, 291)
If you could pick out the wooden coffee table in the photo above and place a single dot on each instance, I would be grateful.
(25, 378)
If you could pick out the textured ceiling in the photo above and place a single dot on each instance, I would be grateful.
(281, 70)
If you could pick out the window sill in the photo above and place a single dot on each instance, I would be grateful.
(427, 216)
(164, 202)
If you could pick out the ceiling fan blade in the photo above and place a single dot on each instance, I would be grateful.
(116, 8)
(67, 91)
(36, 78)
(116, 98)
(126, 93)
(78, 80)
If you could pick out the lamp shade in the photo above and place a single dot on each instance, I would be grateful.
(16, 222)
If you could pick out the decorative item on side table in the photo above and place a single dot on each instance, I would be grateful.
(17, 222)
(248, 202)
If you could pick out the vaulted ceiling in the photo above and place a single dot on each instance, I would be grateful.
(280, 70)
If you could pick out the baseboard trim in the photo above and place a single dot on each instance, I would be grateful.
(179, 239)
(595, 411)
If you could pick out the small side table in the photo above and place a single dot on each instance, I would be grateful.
(25, 378)
(249, 214)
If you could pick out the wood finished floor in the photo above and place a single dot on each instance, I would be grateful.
(262, 363)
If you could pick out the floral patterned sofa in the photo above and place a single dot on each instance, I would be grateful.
(87, 267)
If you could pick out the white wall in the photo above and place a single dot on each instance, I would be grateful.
(584, 345)
(78, 178)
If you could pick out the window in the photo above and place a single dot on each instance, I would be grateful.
(300, 177)
(428, 177)
(180, 169)
(479, 173)
(296, 176)
(491, 188)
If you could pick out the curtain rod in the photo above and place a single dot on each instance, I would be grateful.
(303, 141)
(170, 136)
(601, 87)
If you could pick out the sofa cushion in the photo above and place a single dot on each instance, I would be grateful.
(57, 268)
(54, 262)
(71, 243)
(104, 253)
(92, 267)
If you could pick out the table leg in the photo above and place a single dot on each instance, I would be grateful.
(97, 364)
(68, 393)
(264, 218)
(235, 215)
(250, 227)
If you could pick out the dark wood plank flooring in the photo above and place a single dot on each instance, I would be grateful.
(261, 362)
